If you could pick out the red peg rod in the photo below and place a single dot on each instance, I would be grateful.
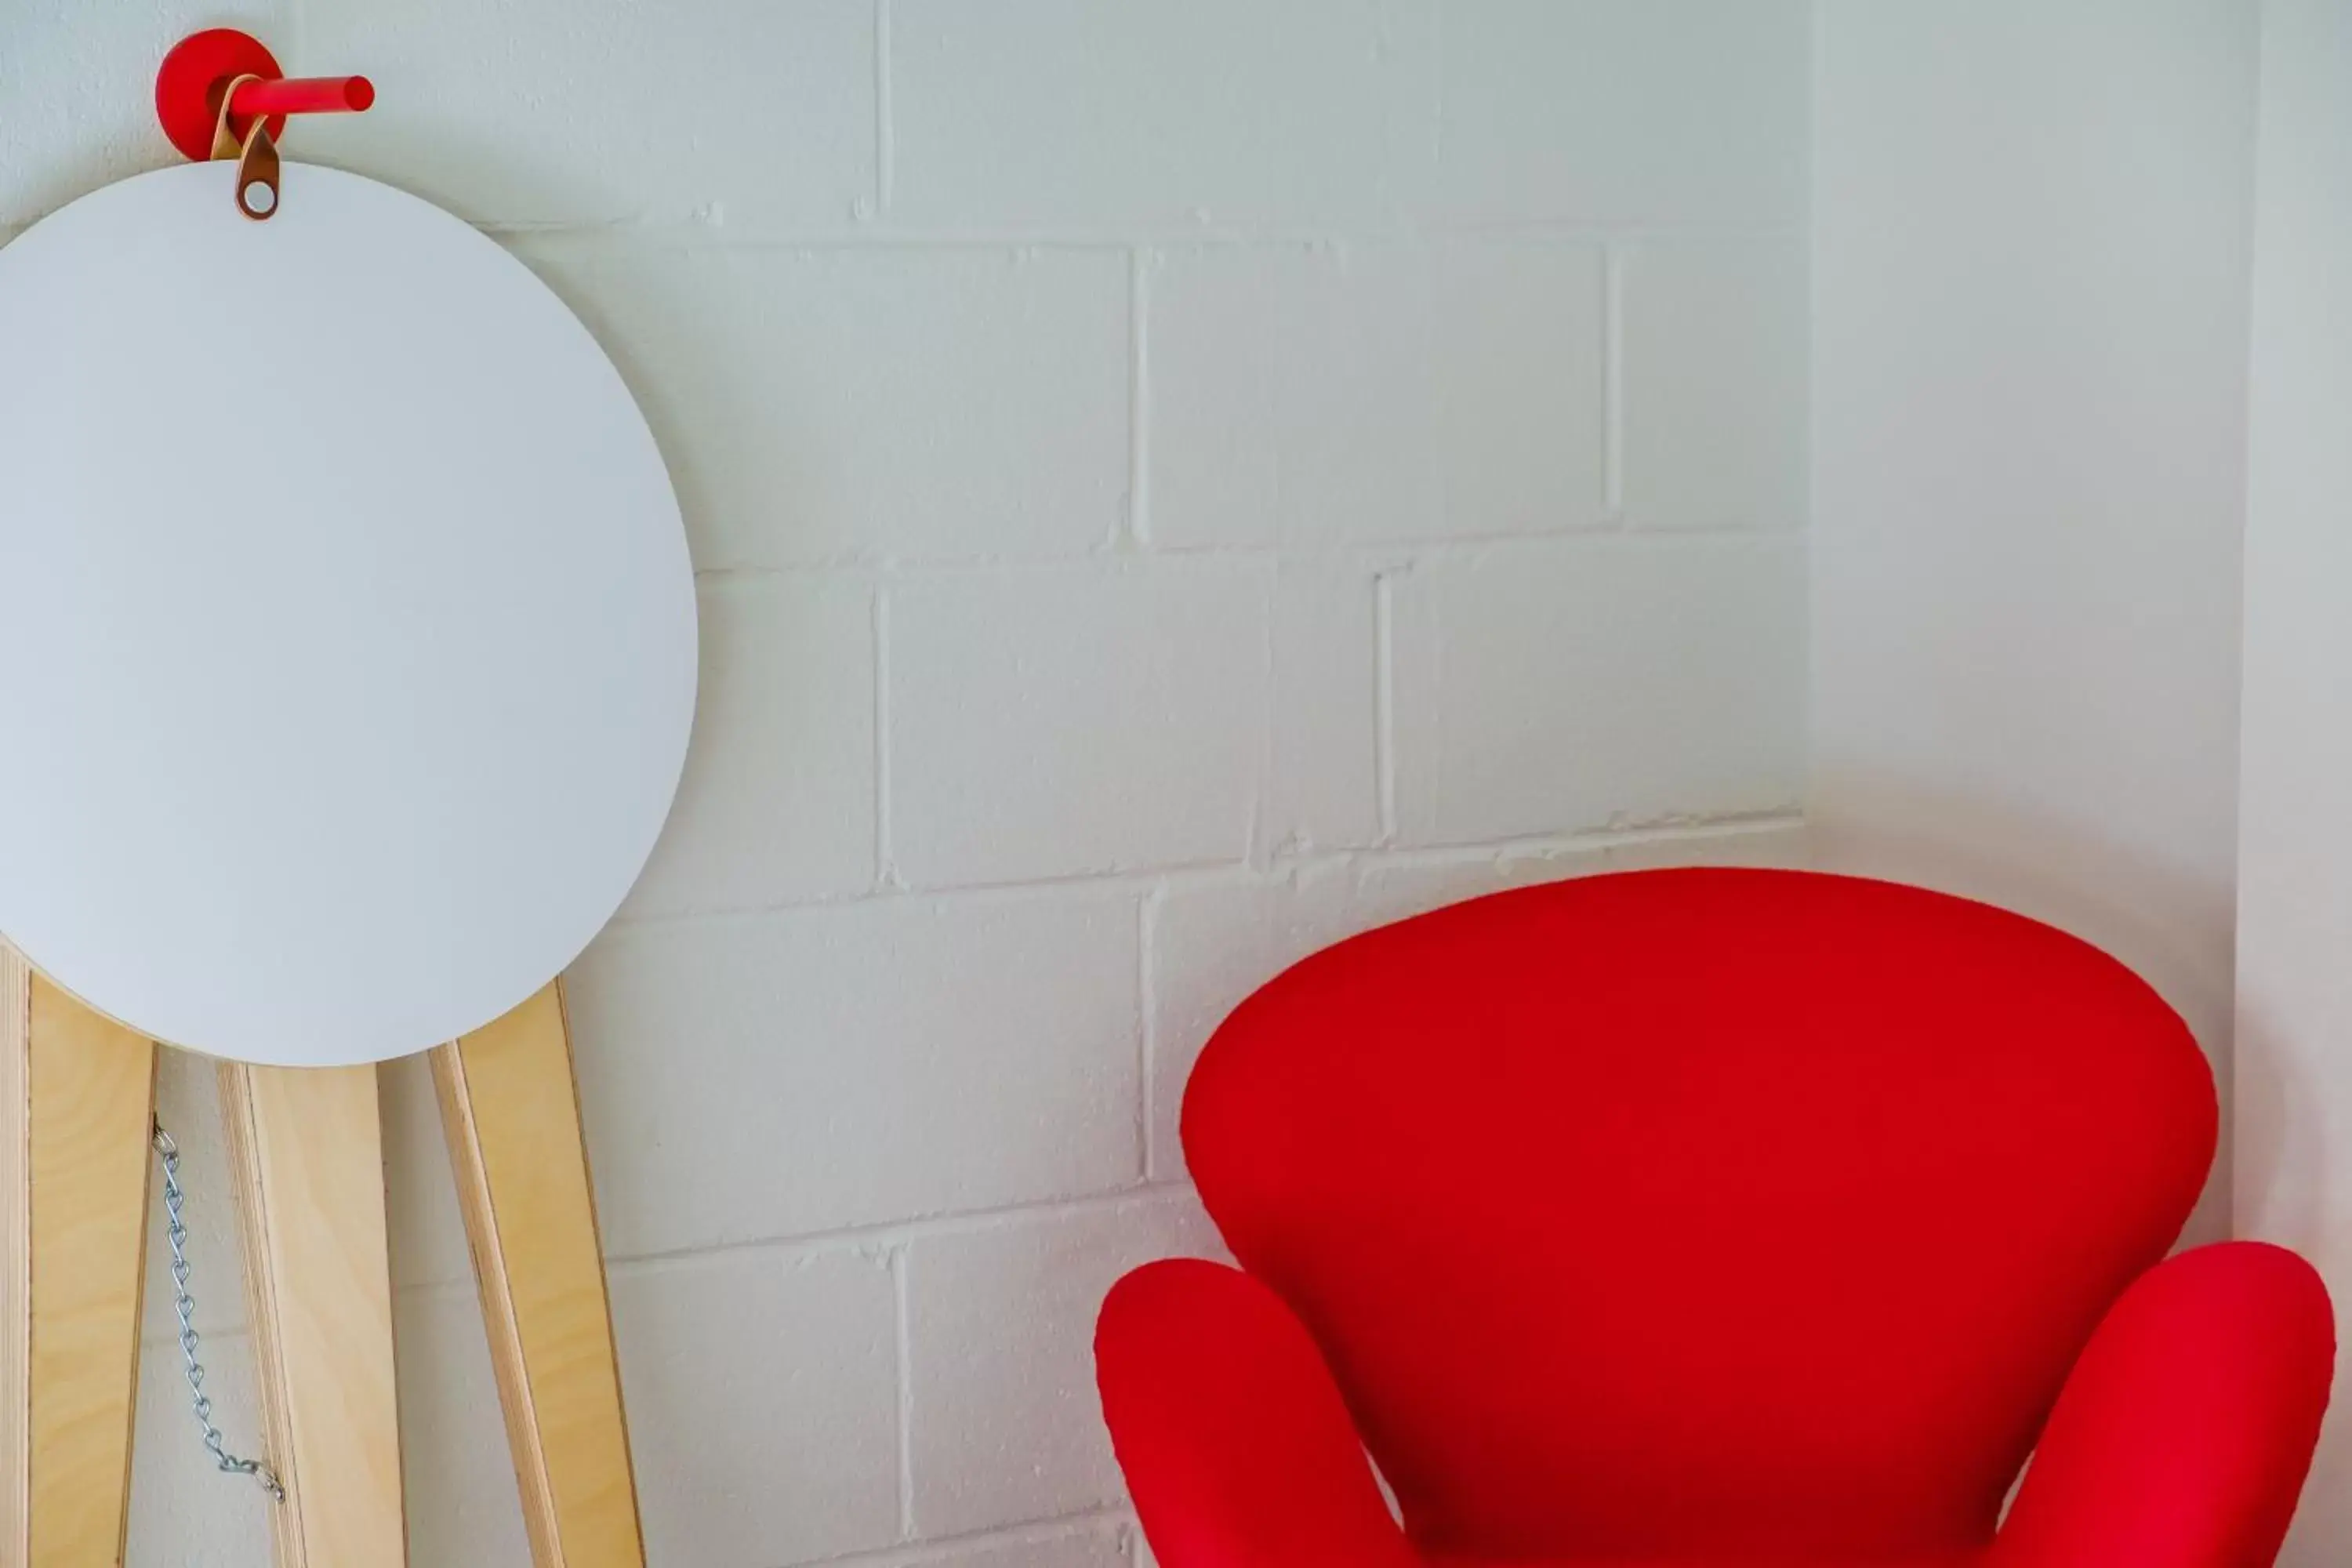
(302, 95)
(188, 90)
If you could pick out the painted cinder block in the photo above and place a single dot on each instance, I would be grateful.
(763, 1405)
(728, 116)
(1063, 723)
(1638, 112)
(813, 1070)
(1715, 382)
(1071, 115)
(869, 405)
(1345, 393)
(777, 803)
(1599, 683)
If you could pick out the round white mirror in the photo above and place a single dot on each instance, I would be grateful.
(347, 630)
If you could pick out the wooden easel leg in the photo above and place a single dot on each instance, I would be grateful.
(307, 1151)
(77, 1107)
(512, 1116)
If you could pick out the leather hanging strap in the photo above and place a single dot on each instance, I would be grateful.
(256, 155)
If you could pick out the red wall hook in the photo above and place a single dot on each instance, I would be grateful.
(302, 95)
(201, 66)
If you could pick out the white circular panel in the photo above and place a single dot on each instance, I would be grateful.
(347, 639)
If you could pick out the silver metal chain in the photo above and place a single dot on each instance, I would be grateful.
(176, 1231)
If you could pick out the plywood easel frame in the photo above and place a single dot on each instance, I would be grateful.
(77, 1096)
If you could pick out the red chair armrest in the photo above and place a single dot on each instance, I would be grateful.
(2182, 1438)
(1236, 1444)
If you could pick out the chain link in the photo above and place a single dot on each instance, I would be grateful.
(176, 1231)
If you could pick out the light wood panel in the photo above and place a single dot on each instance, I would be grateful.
(77, 1109)
(511, 1111)
(307, 1149)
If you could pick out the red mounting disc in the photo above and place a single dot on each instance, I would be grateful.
(194, 74)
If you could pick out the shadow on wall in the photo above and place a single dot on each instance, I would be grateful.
(2287, 1132)
(2172, 925)
(2280, 1184)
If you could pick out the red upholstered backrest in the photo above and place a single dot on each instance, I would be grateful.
(1716, 1210)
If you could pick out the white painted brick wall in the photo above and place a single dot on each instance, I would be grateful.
(763, 815)
(1174, 482)
(1611, 682)
(935, 403)
(1714, 383)
(1334, 394)
(1074, 115)
(608, 111)
(449, 1436)
(1613, 111)
(764, 1388)
(1073, 720)
(808, 1069)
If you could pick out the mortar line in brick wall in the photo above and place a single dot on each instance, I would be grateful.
(878, 1239)
(1565, 846)
(1393, 554)
(939, 1548)
(905, 1348)
(1218, 873)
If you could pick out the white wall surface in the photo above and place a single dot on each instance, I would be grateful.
(2030, 289)
(2295, 872)
(1172, 482)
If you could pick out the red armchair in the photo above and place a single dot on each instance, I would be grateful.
(1695, 1218)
